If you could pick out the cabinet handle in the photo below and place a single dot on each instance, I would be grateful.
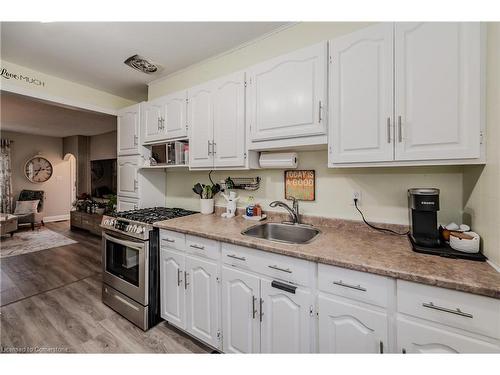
(320, 112)
(403, 351)
(136, 140)
(254, 310)
(169, 240)
(261, 312)
(236, 257)
(158, 126)
(135, 184)
(275, 267)
(186, 280)
(135, 207)
(162, 123)
(199, 247)
(381, 346)
(457, 311)
(179, 281)
(357, 287)
(213, 148)
(400, 127)
(388, 130)
(208, 148)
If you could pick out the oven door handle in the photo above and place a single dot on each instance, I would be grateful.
(131, 244)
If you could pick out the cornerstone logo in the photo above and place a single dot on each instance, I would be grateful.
(30, 80)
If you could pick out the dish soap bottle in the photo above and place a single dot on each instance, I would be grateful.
(250, 206)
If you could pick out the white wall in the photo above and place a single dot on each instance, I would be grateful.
(482, 184)
(103, 146)
(57, 188)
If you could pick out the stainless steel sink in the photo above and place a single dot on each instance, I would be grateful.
(288, 233)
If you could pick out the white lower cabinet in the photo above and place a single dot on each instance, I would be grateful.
(172, 288)
(127, 204)
(242, 300)
(202, 300)
(287, 318)
(350, 327)
(240, 313)
(422, 337)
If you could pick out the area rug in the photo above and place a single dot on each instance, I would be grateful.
(25, 242)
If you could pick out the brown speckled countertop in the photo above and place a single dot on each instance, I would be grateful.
(353, 245)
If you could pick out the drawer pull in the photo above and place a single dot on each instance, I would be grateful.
(261, 311)
(186, 280)
(169, 240)
(199, 247)
(282, 286)
(457, 311)
(357, 287)
(275, 267)
(254, 309)
(236, 257)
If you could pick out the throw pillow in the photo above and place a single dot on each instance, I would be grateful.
(26, 207)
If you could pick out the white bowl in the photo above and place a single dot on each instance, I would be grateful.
(464, 245)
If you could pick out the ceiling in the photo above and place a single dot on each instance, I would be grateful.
(22, 114)
(92, 53)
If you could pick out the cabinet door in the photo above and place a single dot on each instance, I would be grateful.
(152, 115)
(127, 176)
(287, 320)
(240, 315)
(437, 90)
(128, 128)
(288, 95)
(175, 115)
(172, 293)
(229, 121)
(361, 96)
(422, 337)
(350, 327)
(202, 300)
(126, 204)
(200, 120)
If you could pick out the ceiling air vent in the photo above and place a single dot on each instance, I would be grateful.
(141, 64)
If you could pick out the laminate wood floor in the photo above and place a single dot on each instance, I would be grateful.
(52, 304)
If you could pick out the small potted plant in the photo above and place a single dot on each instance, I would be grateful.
(207, 194)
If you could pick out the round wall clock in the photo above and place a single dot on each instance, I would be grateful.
(38, 169)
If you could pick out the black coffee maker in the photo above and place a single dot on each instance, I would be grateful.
(424, 205)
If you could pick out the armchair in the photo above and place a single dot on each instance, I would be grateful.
(35, 217)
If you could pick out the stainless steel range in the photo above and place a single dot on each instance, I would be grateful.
(130, 259)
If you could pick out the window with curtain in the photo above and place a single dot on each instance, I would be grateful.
(5, 177)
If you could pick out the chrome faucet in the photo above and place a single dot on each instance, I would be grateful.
(294, 211)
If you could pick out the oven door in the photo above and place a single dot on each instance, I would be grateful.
(125, 267)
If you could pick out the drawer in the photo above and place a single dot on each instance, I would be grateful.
(172, 240)
(203, 247)
(360, 286)
(293, 270)
(239, 256)
(466, 311)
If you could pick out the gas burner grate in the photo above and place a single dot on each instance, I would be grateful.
(151, 215)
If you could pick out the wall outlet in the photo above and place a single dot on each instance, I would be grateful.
(356, 195)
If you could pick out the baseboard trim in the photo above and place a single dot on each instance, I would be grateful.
(49, 219)
(494, 265)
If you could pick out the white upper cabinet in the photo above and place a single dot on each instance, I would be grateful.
(174, 108)
(287, 96)
(407, 93)
(287, 319)
(437, 90)
(361, 80)
(128, 130)
(200, 119)
(240, 311)
(229, 121)
(128, 176)
(152, 121)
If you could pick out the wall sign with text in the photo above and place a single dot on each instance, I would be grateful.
(4, 73)
(300, 185)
